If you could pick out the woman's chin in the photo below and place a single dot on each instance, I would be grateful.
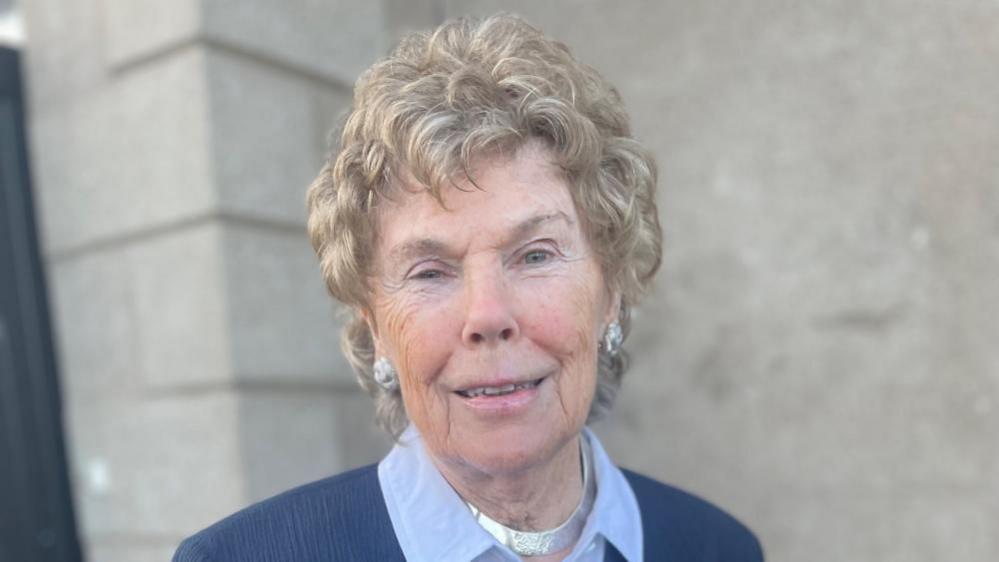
(509, 449)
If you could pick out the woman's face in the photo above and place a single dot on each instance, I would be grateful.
(491, 310)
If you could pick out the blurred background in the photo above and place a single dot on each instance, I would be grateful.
(819, 355)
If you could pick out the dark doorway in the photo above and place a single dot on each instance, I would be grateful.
(36, 513)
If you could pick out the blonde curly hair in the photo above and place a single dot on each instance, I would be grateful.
(461, 91)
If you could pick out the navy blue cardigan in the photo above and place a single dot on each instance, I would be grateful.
(343, 518)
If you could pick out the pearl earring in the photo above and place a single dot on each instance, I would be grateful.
(613, 338)
(385, 374)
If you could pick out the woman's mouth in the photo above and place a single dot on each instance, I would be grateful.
(499, 390)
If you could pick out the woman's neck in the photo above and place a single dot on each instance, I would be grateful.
(538, 498)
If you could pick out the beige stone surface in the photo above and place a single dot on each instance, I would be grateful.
(154, 466)
(143, 316)
(291, 437)
(171, 153)
(361, 441)
(134, 30)
(70, 65)
(181, 298)
(268, 137)
(282, 328)
(814, 356)
(332, 40)
(96, 326)
(123, 160)
(818, 352)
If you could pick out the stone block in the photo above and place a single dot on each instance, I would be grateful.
(96, 330)
(198, 306)
(161, 466)
(930, 525)
(361, 440)
(282, 326)
(130, 158)
(287, 438)
(180, 298)
(63, 61)
(136, 29)
(290, 437)
(332, 40)
(148, 313)
(269, 131)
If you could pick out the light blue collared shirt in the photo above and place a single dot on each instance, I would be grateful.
(432, 522)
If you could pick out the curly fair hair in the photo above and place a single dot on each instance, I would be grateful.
(465, 90)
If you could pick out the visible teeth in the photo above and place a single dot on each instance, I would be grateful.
(497, 390)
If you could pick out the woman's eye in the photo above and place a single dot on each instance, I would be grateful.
(428, 274)
(536, 256)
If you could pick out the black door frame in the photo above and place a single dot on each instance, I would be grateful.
(36, 509)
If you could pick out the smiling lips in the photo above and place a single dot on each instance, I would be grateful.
(500, 390)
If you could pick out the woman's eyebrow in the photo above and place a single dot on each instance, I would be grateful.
(528, 226)
(416, 248)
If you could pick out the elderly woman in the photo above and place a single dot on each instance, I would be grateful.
(488, 219)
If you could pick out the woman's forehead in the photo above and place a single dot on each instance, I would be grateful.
(422, 225)
(509, 199)
(530, 170)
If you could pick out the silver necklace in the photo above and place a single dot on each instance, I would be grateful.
(542, 543)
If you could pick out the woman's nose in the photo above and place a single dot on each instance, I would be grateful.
(489, 317)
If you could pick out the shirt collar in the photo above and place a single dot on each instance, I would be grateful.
(432, 522)
(615, 513)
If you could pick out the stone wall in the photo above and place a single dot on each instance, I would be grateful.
(818, 354)
(172, 145)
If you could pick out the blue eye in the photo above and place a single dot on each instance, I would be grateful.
(536, 256)
(428, 274)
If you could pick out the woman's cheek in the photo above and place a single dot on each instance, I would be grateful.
(395, 325)
(420, 338)
(547, 326)
(564, 316)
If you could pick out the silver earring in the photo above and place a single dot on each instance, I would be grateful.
(613, 338)
(385, 374)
